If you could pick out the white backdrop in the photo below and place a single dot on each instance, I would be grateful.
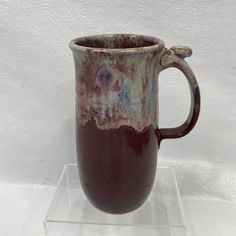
(37, 85)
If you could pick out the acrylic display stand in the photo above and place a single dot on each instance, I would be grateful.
(70, 213)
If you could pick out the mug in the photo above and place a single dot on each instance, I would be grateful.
(117, 133)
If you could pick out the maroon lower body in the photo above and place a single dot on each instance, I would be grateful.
(116, 167)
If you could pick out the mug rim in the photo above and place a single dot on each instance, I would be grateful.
(157, 43)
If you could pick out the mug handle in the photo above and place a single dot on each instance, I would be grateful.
(174, 57)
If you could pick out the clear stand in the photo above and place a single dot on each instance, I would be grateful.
(70, 213)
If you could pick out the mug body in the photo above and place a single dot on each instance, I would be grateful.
(116, 118)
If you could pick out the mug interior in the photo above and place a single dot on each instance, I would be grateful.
(117, 41)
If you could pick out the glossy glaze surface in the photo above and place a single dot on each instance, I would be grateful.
(117, 167)
(117, 115)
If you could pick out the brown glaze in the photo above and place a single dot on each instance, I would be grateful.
(174, 57)
(117, 167)
(187, 126)
(120, 41)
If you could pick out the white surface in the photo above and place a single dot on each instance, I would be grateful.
(37, 91)
(210, 218)
(23, 209)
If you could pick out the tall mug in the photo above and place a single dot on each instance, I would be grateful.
(117, 115)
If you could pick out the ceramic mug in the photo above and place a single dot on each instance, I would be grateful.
(117, 131)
